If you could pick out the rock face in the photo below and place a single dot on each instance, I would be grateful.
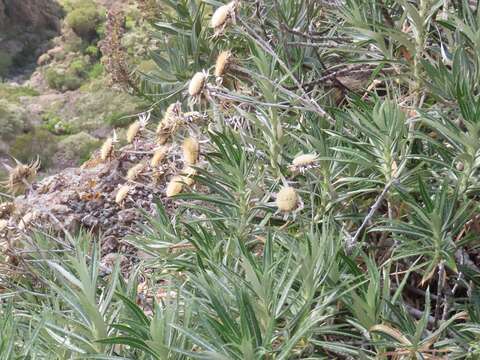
(30, 14)
(25, 28)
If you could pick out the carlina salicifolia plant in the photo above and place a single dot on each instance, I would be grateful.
(188, 174)
(304, 162)
(287, 199)
(169, 123)
(380, 263)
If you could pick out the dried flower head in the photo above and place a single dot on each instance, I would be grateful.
(169, 123)
(188, 174)
(26, 220)
(287, 199)
(132, 131)
(175, 186)
(158, 156)
(106, 151)
(305, 160)
(3, 225)
(191, 149)
(197, 83)
(222, 16)
(135, 171)
(222, 63)
(135, 128)
(122, 193)
(173, 113)
(6, 209)
(21, 176)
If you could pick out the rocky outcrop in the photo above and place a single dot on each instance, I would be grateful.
(25, 28)
(108, 195)
(31, 15)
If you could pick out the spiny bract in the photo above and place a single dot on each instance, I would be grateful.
(196, 84)
(287, 199)
(191, 149)
(175, 186)
(122, 193)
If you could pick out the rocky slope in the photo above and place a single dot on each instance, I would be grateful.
(56, 96)
(25, 28)
(106, 195)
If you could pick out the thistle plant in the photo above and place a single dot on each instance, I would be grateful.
(333, 210)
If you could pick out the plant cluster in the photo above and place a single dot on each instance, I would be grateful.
(334, 214)
(84, 18)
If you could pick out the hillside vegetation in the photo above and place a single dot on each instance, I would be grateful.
(315, 172)
(55, 89)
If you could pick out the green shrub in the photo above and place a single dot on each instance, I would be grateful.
(55, 125)
(118, 119)
(84, 20)
(73, 43)
(95, 71)
(78, 67)
(77, 148)
(13, 120)
(92, 50)
(54, 78)
(72, 82)
(39, 142)
(13, 93)
(62, 80)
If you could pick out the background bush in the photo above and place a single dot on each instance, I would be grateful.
(77, 148)
(6, 62)
(39, 142)
(62, 80)
(13, 120)
(84, 19)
